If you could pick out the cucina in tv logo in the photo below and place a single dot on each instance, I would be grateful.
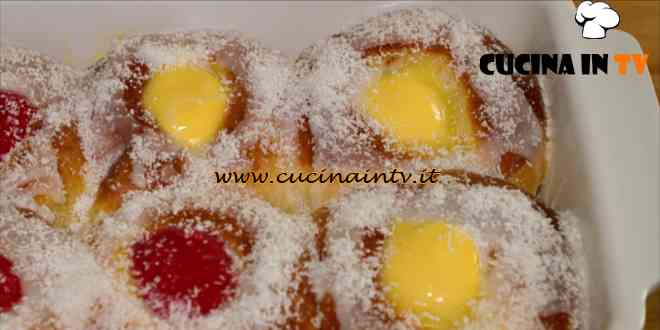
(595, 19)
(562, 64)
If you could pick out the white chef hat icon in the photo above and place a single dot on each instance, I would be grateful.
(596, 19)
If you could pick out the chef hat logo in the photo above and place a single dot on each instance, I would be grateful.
(596, 19)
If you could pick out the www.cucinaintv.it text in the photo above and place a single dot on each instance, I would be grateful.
(393, 176)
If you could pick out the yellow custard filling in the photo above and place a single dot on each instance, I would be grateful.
(420, 102)
(188, 102)
(431, 269)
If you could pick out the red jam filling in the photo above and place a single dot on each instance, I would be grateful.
(11, 290)
(174, 266)
(15, 115)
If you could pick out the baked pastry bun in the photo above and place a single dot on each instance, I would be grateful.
(468, 252)
(403, 90)
(43, 155)
(29, 82)
(182, 103)
(217, 260)
(48, 280)
(129, 196)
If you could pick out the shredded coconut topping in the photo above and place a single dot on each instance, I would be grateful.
(265, 275)
(74, 262)
(64, 286)
(335, 71)
(538, 269)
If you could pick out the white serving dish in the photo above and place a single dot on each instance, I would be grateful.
(607, 143)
